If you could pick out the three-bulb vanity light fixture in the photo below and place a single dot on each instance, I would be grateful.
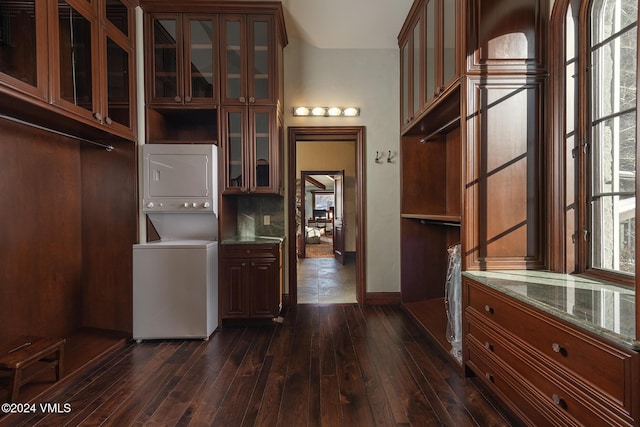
(326, 111)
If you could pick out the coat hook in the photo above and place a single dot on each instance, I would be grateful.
(390, 157)
(378, 157)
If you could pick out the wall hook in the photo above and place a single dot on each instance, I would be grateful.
(378, 157)
(390, 157)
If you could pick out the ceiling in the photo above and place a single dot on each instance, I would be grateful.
(325, 180)
(346, 24)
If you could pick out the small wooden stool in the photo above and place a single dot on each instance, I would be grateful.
(27, 351)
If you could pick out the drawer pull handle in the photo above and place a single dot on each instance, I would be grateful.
(559, 401)
(557, 348)
(488, 376)
(488, 346)
(488, 309)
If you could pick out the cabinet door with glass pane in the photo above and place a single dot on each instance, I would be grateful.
(182, 58)
(440, 46)
(264, 153)
(76, 77)
(200, 59)
(250, 147)
(118, 101)
(93, 62)
(449, 45)
(261, 58)
(411, 65)
(233, 42)
(248, 60)
(24, 63)
(235, 153)
(164, 58)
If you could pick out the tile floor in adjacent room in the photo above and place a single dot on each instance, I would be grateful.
(326, 281)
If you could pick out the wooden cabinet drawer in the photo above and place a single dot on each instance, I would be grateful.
(569, 348)
(250, 251)
(558, 390)
(512, 389)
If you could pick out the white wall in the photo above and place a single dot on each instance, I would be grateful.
(369, 79)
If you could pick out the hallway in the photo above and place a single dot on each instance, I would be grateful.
(326, 281)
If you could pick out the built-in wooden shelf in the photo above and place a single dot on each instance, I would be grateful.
(432, 316)
(453, 220)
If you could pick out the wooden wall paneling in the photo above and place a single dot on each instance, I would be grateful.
(109, 229)
(507, 35)
(453, 172)
(423, 170)
(504, 178)
(423, 260)
(40, 233)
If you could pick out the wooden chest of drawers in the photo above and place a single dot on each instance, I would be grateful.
(545, 369)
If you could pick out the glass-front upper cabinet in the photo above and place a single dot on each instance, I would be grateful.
(234, 134)
(118, 14)
(405, 102)
(449, 42)
(440, 46)
(251, 149)
(118, 104)
(263, 140)
(428, 56)
(248, 44)
(95, 70)
(77, 58)
(119, 68)
(182, 57)
(431, 87)
(23, 46)
(411, 71)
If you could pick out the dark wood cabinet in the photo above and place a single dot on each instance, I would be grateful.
(567, 375)
(471, 148)
(182, 59)
(250, 281)
(251, 149)
(94, 62)
(24, 54)
(74, 58)
(411, 68)
(249, 59)
(429, 56)
(251, 127)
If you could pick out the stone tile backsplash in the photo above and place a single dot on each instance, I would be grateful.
(251, 216)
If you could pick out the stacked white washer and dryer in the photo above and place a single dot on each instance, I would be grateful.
(175, 279)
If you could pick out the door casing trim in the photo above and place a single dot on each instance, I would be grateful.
(328, 133)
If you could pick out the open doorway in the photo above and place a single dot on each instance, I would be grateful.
(326, 271)
(321, 192)
(332, 211)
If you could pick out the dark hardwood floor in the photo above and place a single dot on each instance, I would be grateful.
(324, 366)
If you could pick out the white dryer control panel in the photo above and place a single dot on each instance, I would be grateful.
(180, 178)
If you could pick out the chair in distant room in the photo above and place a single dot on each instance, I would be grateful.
(320, 218)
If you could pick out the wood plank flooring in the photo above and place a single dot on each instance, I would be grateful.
(324, 366)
